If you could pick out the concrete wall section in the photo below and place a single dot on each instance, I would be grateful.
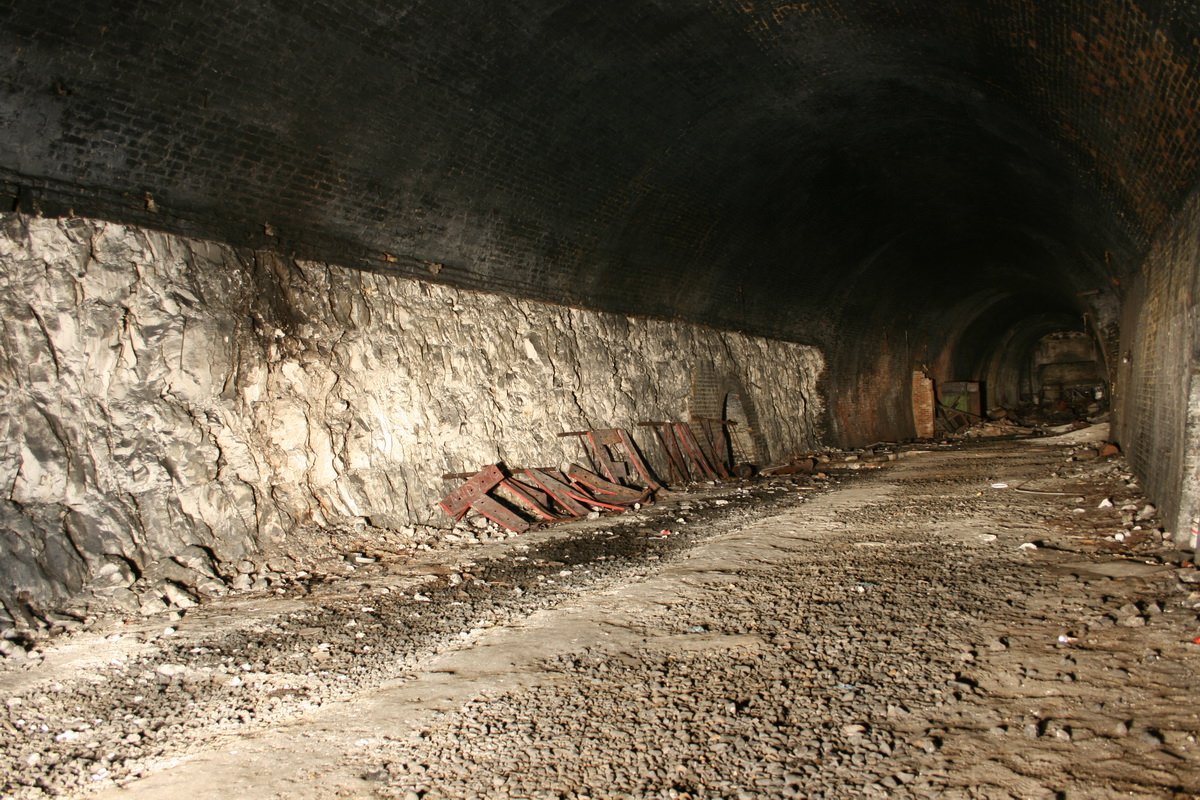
(169, 405)
(1158, 402)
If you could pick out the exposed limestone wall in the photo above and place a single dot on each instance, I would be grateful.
(170, 406)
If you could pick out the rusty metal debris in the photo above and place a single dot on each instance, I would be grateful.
(797, 466)
(677, 466)
(613, 452)
(474, 495)
(620, 478)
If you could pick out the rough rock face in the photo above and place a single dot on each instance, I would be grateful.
(171, 405)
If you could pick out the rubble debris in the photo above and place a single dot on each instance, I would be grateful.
(995, 428)
(797, 466)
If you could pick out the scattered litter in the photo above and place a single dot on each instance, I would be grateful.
(987, 537)
(999, 485)
(697, 629)
(720, 502)
(1028, 546)
(1064, 639)
(664, 533)
(1105, 503)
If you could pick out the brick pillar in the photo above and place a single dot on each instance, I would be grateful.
(922, 405)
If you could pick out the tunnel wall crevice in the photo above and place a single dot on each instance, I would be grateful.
(1158, 414)
(165, 397)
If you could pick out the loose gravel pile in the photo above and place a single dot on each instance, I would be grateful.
(169, 687)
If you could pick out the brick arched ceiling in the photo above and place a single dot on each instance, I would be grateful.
(810, 170)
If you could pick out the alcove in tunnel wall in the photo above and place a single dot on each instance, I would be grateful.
(160, 393)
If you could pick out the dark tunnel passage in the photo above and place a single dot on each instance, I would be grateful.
(915, 186)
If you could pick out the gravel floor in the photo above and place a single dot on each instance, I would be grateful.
(889, 636)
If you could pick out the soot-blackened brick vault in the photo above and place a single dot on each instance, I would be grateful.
(904, 183)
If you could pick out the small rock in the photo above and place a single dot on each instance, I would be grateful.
(114, 572)
(178, 596)
(151, 603)
(1147, 513)
(10, 649)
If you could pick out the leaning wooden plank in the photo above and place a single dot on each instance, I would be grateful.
(457, 502)
(560, 492)
(676, 463)
(527, 498)
(497, 513)
(635, 458)
(598, 443)
(712, 443)
(690, 446)
(581, 493)
(607, 489)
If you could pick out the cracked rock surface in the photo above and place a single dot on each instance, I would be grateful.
(891, 637)
(175, 412)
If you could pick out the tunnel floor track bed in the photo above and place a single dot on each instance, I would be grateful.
(921, 630)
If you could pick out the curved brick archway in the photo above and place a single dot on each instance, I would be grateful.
(721, 395)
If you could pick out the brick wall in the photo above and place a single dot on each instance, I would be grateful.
(1158, 386)
(924, 410)
(727, 162)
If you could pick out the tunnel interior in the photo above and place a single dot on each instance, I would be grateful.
(916, 186)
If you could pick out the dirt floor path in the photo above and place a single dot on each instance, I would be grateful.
(960, 624)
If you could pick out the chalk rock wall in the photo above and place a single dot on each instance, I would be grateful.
(171, 406)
